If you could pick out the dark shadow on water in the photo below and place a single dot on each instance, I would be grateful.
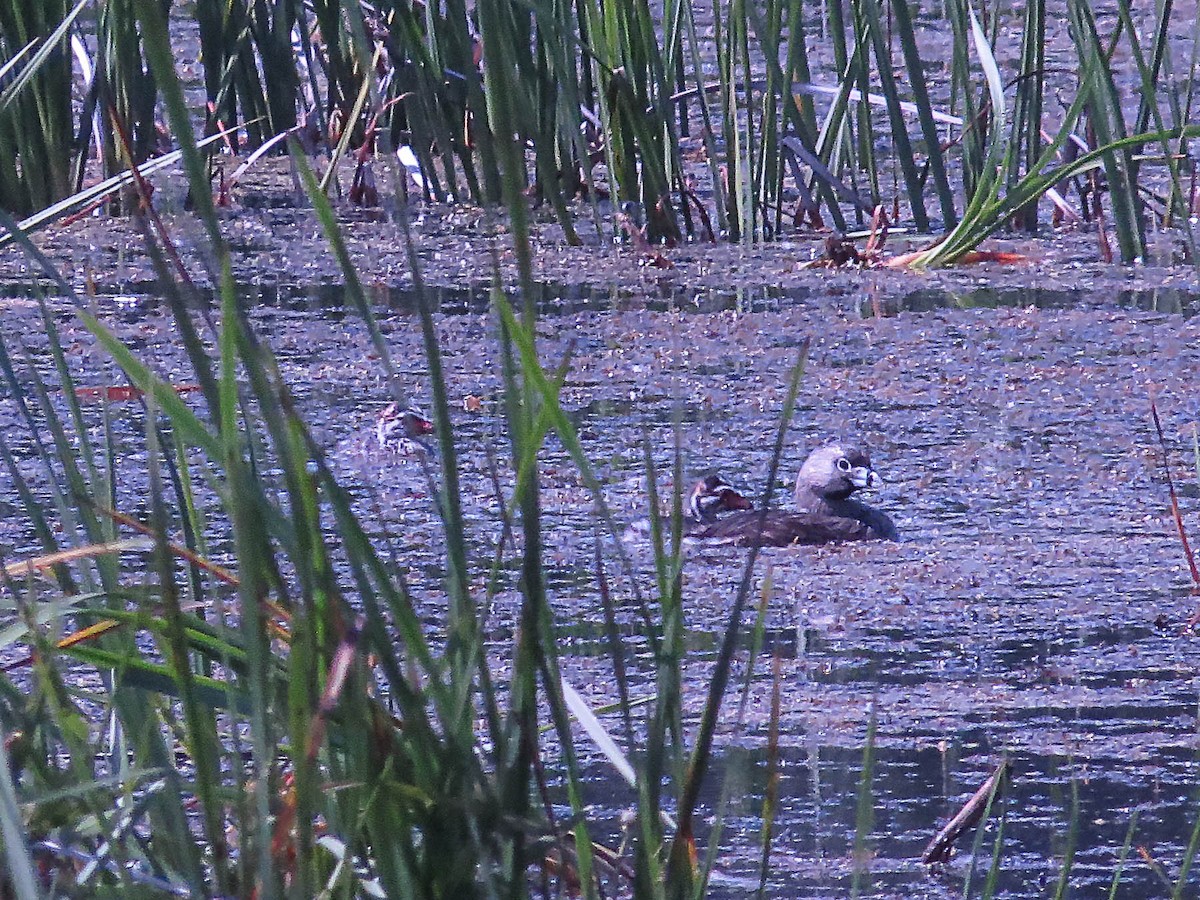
(564, 299)
(560, 298)
(1171, 300)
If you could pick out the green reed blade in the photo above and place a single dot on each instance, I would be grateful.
(47, 47)
(870, 11)
(1108, 121)
(771, 794)
(1068, 861)
(20, 868)
(1185, 866)
(1025, 136)
(975, 115)
(1125, 848)
(203, 744)
(920, 97)
(679, 873)
(63, 208)
(864, 817)
(1149, 107)
(991, 884)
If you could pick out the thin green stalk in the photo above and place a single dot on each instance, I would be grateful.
(992, 885)
(20, 868)
(771, 794)
(988, 215)
(679, 873)
(864, 818)
(1026, 134)
(35, 111)
(754, 652)
(1064, 878)
(1148, 107)
(864, 138)
(203, 744)
(1185, 867)
(1107, 120)
(1125, 847)
(976, 116)
(899, 130)
(920, 96)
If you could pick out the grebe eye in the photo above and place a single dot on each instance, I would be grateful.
(843, 465)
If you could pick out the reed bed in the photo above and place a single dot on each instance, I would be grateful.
(681, 122)
(283, 721)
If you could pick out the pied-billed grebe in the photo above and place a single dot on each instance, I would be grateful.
(709, 497)
(825, 510)
(713, 495)
(400, 431)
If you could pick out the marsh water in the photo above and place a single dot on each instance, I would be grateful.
(1036, 608)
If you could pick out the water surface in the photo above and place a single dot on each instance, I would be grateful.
(1036, 607)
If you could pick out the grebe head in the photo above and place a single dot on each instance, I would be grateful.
(834, 472)
(395, 427)
(713, 495)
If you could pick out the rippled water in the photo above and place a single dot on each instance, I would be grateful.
(1036, 607)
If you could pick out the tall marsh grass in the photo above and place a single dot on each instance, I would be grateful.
(702, 122)
(231, 691)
